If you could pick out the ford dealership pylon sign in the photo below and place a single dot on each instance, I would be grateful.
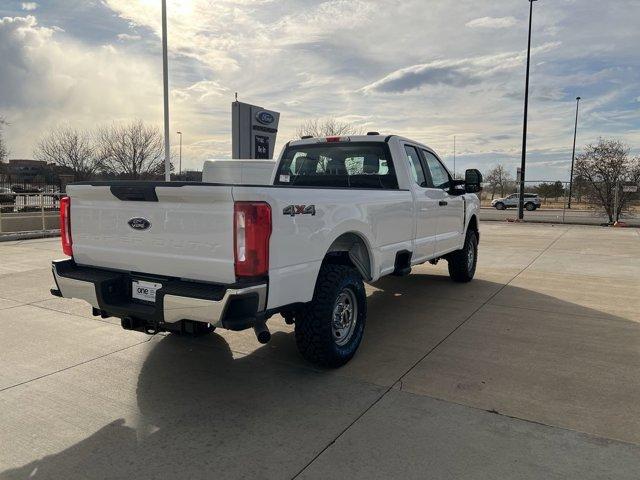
(254, 131)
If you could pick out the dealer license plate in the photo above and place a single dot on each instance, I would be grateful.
(146, 291)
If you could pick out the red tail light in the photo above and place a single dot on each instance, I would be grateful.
(65, 226)
(252, 229)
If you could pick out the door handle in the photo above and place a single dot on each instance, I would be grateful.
(443, 203)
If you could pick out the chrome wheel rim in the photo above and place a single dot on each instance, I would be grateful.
(345, 314)
(471, 255)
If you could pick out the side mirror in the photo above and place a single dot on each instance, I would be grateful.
(472, 180)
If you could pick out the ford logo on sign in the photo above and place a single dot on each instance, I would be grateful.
(265, 118)
(139, 223)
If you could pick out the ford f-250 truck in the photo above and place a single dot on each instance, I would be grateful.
(339, 211)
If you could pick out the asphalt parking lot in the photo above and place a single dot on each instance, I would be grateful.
(530, 371)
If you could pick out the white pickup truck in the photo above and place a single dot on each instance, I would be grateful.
(338, 211)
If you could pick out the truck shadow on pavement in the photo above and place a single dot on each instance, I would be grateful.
(204, 411)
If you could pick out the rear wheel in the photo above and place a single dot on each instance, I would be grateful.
(500, 206)
(530, 206)
(329, 330)
(462, 263)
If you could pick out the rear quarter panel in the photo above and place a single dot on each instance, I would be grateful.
(382, 218)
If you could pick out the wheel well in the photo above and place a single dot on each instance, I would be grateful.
(473, 225)
(350, 249)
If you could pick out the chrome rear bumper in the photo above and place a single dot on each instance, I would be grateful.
(109, 292)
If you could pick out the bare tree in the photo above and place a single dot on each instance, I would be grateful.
(605, 166)
(327, 128)
(68, 148)
(498, 178)
(133, 150)
(3, 146)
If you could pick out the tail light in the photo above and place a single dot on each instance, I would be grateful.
(65, 226)
(252, 229)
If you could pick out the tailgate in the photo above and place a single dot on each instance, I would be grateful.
(174, 230)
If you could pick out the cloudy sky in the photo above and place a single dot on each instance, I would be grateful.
(426, 69)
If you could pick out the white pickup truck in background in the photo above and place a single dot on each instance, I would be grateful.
(338, 211)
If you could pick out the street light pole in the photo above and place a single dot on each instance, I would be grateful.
(180, 167)
(165, 79)
(454, 157)
(573, 155)
(524, 127)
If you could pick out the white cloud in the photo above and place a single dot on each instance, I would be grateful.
(125, 37)
(453, 73)
(29, 6)
(47, 78)
(200, 92)
(492, 22)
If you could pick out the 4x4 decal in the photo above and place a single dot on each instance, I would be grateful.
(294, 210)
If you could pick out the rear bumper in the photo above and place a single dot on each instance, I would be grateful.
(235, 307)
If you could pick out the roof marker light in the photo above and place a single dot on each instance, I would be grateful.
(337, 139)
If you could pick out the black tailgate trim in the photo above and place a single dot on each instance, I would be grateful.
(135, 193)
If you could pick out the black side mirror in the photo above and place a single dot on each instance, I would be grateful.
(472, 180)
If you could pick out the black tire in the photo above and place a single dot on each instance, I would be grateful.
(314, 327)
(530, 206)
(204, 329)
(500, 206)
(462, 265)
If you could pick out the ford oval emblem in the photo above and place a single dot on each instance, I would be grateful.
(265, 118)
(139, 223)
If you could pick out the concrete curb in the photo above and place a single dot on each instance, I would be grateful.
(13, 236)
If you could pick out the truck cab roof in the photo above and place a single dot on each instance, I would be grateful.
(356, 138)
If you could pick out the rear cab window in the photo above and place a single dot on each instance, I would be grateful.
(338, 164)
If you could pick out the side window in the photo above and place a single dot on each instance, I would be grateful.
(415, 166)
(439, 174)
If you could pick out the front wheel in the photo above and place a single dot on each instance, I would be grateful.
(500, 206)
(330, 329)
(530, 207)
(462, 263)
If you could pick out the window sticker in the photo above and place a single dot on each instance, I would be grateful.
(284, 178)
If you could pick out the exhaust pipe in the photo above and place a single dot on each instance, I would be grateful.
(262, 333)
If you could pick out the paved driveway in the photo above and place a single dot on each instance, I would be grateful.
(530, 371)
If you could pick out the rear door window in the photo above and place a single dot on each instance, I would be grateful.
(415, 166)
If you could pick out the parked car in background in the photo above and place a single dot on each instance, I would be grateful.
(7, 197)
(25, 189)
(531, 201)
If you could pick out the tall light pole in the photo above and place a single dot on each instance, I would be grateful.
(180, 167)
(573, 155)
(165, 79)
(454, 157)
(524, 127)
